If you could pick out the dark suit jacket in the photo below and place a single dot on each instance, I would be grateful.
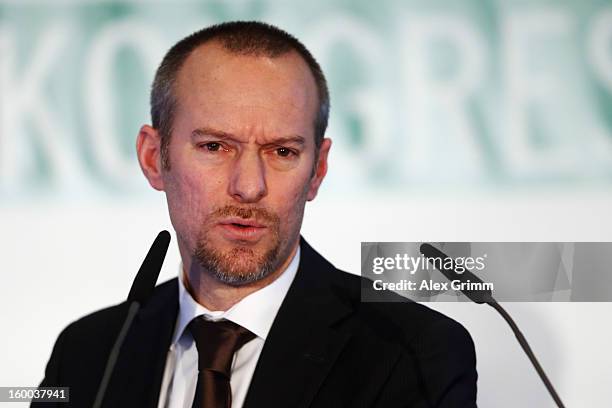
(326, 348)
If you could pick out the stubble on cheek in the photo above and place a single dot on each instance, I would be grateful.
(186, 207)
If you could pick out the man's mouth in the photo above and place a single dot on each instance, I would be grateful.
(243, 223)
(242, 229)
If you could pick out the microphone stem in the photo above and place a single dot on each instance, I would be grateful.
(114, 354)
(523, 342)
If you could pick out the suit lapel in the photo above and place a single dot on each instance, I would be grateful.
(301, 347)
(138, 374)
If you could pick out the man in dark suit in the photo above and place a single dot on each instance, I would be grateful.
(257, 318)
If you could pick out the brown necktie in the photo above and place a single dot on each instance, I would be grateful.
(216, 343)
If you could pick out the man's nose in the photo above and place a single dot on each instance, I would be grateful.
(248, 178)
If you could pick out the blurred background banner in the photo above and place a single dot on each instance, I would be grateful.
(451, 121)
(425, 94)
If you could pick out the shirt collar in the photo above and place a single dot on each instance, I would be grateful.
(255, 312)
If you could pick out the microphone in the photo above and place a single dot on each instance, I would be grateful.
(478, 296)
(433, 254)
(141, 290)
(147, 275)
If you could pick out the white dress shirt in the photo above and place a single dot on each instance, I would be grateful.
(255, 312)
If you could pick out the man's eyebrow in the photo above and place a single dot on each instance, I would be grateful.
(288, 139)
(207, 131)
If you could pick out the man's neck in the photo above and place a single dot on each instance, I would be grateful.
(218, 296)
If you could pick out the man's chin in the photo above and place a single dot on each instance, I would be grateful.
(239, 275)
(237, 265)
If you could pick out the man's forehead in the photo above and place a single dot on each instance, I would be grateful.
(220, 88)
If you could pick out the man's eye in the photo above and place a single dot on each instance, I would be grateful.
(212, 146)
(284, 152)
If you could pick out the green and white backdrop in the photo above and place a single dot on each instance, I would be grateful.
(452, 121)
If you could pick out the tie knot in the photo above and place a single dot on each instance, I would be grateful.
(217, 342)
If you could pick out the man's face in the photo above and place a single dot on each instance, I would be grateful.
(242, 161)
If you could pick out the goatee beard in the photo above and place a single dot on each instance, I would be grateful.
(240, 265)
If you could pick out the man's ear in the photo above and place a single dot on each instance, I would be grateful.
(320, 169)
(148, 149)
